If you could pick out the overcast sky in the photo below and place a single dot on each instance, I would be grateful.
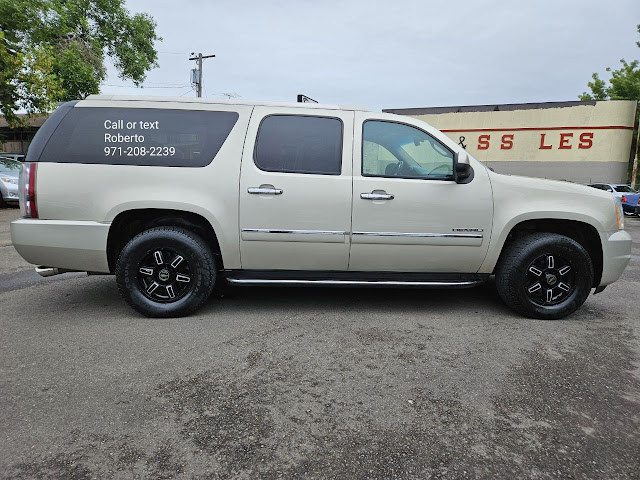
(388, 54)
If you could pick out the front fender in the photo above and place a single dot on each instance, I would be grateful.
(519, 199)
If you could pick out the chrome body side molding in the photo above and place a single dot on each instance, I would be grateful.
(419, 235)
(419, 238)
(370, 234)
(295, 232)
(286, 235)
(340, 236)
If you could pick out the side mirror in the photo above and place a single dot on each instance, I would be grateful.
(464, 172)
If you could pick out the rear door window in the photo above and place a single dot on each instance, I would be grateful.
(299, 144)
(139, 136)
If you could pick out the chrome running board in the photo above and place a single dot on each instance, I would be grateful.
(351, 283)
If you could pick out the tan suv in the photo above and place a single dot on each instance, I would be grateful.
(174, 195)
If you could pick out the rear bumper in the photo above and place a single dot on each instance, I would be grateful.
(62, 243)
(616, 253)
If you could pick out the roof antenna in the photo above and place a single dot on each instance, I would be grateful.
(304, 99)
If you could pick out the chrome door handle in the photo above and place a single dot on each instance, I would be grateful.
(264, 191)
(376, 196)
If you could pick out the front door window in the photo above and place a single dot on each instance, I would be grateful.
(397, 150)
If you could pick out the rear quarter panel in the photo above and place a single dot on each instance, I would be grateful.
(99, 193)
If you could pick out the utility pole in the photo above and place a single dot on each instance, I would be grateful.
(199, 59)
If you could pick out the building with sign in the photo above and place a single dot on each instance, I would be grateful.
(577, 141)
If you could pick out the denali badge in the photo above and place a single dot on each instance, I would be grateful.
(467, 229)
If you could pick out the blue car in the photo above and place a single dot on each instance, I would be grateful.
(629, 197)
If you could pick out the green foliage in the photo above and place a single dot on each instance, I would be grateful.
(79, 70)
(54, 50)
(9, 163)
(624, 83)
(598, 89)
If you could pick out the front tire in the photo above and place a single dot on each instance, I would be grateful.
(166, 272)
(544, 275)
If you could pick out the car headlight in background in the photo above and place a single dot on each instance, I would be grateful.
(9, 180)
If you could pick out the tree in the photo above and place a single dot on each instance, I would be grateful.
(54, 50)
(624, 83)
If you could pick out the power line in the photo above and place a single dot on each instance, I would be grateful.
(171, 84)
(182, 95)
(146, 86)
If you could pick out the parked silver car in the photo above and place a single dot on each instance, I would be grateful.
(9, 172)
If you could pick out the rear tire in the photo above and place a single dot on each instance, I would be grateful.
(166, 272)
(544, 275)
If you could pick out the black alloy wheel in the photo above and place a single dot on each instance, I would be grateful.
(544, 275)
(166, 272)
(550, 280)
(164, 275)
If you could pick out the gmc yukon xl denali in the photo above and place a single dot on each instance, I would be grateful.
(175, 195)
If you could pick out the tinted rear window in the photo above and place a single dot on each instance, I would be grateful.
(299, 144)
(139, 136)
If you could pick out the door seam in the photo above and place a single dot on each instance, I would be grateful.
(244, 143)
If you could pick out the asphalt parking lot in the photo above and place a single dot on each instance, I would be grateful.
(316, 383)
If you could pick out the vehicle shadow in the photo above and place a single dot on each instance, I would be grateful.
(360, 300)
(100, 293)
(98, 297)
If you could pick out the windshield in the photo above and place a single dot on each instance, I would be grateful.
(624, 189)
(9, 166)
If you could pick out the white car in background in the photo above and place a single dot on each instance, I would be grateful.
(9, 173)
